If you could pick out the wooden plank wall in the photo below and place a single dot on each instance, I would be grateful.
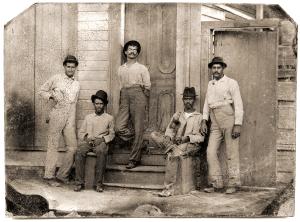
(55, 37)
(93, 54)
(19, 40)
(36, 43)
(287, 69)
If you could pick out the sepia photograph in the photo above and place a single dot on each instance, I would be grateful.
(149, 110)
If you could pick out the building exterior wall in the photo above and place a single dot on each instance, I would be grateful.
(93, 54)
(286, 121)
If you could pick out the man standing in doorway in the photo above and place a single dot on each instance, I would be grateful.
(135, 88)
(223, 104)
(63, 91)
(182, 137)
(96, 132)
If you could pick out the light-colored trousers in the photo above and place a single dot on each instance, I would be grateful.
(173, 158)
(222, 119)
(62, 122)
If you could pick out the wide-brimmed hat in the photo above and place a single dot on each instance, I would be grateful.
(100, 94)
(134, 43)
(189, 92)
(217, 60)
(71, 59)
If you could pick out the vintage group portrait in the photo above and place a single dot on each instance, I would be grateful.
(150, 110)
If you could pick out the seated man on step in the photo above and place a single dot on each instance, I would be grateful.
(181, 138)
(96, 132)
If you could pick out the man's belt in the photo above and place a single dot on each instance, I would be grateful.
(219, 104)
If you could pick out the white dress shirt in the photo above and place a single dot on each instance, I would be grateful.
(134, 74)
(223, 92)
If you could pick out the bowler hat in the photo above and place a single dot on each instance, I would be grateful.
(100, 95)
(71, 59)
(217, 60)
(189, 92)
(132, 43)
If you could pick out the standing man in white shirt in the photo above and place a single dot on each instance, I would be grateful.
(135, 88)
(223, 104)
(63, 91)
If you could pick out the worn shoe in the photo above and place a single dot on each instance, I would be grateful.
(165, 193)
(63, 180)
(99, 188)
(209, 190)
(52, 182)
(78, 187)
(231, 190)
(131, 165)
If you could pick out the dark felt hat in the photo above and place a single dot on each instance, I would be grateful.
(217, 60)
(189, 92)
(71, 59)
(132, 43)
(100, 95)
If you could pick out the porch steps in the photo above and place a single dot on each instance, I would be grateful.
(148, 175)
(140, 175)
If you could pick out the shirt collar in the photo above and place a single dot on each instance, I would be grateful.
(69, 78)
(125, 64)
(100, 115)
(223, 79)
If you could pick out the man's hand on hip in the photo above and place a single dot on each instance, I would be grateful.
(236, 131)
(203, 128)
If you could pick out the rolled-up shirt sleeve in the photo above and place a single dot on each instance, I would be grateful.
(238, 104)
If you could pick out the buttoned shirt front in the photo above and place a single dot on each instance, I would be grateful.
(63, 88)
(223, 92)
(134, 74)
(97, 126)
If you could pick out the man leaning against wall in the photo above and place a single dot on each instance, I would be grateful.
(62, 90)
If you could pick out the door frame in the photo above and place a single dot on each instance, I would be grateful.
(208, 33)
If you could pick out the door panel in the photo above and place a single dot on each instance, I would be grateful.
(251, 60)
(154, 26)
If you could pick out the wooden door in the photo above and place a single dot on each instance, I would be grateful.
(251, 60)
(154, 26)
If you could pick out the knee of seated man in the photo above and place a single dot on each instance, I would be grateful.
(154, 135)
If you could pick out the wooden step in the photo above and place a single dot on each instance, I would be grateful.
(146, 159)
(142, 175)
(135, 186)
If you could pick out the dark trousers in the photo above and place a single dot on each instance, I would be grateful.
(80, 158)
(132, 107)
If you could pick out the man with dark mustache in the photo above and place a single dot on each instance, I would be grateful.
(135, 88)
(223, 104)
(182, 137)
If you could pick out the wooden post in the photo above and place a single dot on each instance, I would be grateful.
(115, 50)
(188, 47)
(259, 11)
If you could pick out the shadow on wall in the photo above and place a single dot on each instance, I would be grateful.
(19, 127)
